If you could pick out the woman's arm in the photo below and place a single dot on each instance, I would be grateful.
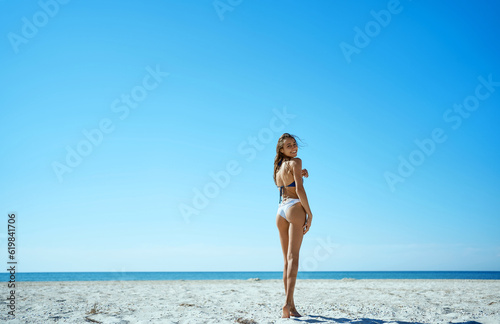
(296, 164)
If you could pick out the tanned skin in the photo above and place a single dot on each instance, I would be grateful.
(297, 223)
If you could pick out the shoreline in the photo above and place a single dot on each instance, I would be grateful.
(229, 275)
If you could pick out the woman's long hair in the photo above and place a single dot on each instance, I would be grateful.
(280, 157)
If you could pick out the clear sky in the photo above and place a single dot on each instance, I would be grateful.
(140, 136)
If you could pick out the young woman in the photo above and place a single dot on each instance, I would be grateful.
(294, 215)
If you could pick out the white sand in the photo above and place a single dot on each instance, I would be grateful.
(247, 301)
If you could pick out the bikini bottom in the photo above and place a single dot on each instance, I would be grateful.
(284, 205)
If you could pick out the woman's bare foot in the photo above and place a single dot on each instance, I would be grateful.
(294, 313)
(286, 311)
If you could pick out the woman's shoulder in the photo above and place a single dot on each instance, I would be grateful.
(292, 163)
(295, 160)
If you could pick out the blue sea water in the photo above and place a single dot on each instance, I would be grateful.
(109, 276)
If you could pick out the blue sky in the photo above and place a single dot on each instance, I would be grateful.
(141, 136)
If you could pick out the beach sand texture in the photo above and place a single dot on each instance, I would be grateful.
(257, 301)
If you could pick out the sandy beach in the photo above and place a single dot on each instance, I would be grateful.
(257, 301)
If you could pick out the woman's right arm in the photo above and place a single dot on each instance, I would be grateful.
(299, 187)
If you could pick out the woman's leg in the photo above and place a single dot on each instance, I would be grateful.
(283, 226)
(296, 217)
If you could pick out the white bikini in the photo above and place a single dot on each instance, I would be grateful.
(285, 204)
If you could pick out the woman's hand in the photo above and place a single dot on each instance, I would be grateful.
(307, 225)
(305, 173)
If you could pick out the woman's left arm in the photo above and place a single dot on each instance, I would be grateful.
(301, 192)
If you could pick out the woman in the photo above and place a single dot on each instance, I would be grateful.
(294, 215)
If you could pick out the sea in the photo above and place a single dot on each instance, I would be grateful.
(262, 275)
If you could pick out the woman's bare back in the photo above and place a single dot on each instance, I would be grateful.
(284, 177)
